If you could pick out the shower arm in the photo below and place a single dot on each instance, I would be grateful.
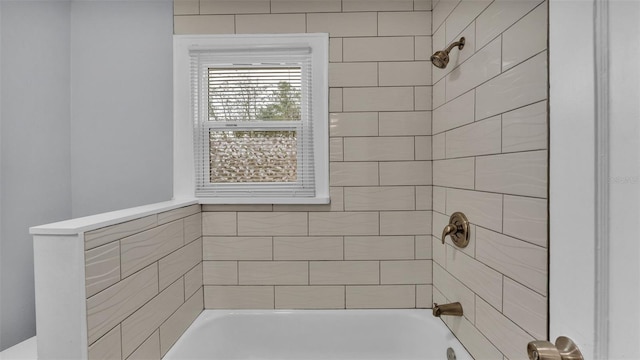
(459, 44)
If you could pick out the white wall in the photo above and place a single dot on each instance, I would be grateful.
(35, 147)
(86, 124)
(121, 91)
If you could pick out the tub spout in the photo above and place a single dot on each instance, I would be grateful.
(453, 309)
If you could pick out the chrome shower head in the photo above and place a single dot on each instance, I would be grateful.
(440, 59)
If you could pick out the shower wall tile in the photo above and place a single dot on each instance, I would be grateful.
(140, 250)
(423, 247)
(439, 199)
(108, 347)
(377, 5)
(193, 280)
(220, 272)
(137, 327)
(238, 297)
(378, 247)
(380, 103)
(344, 272)
(347, 223)
(343, 24)
(483, 207)
(405, 222)
(237, 248)
(354, 123)
(176, 264)
(272, 223)
(405, 173)
(525, 38)
(424, 296)
(404, 23)
(273, 273)
(405, 123)
(480, 278)
(186, 7)
(155, 282)
(423, 47)
(379, 99)
(309, 6)
(219, 223)
(473, 339)
(381, 297)
(102, 267)
(405, 73)
(390, 48)
(406, 272)
(353, 74)
(438, 147)
(462, 16)
(150, 348)
(204, 24)
(526, 307)
(353, 174)
(518, 173)
(423, 148)
(439, 95)
(380, 198)
(336, 149)
(456, 173)
(525, 128)
(107, 234)
(441, 11)
(499, 16)
(177, 324)
(519, 260)
(273, 24)
(451, 288)
(335, 50)
(482, 66)
(424, 197)
(310, 297)
(423, 98)
(526, 218)
(234, 7)
(501, 331)
(179, 213)
(378, 148)
(479, 138)
(308, 248)
(109, 307)
(519, 86)
(454, 113)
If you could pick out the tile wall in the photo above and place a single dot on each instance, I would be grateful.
(371, 247)
(490, 161)
(143, 284)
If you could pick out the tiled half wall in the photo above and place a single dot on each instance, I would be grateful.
(143, 284)
(490, 161)
(371, 247)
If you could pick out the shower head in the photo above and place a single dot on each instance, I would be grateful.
(440, 59)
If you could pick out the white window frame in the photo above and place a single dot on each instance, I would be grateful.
(184, 179)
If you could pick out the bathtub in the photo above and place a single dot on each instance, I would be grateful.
(316, 335)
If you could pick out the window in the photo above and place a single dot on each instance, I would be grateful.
(259, 117)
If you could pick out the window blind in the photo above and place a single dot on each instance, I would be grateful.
(253, 131)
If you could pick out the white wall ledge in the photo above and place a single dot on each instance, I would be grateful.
(88, 223)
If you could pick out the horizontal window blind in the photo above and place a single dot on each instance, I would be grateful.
(253, 131)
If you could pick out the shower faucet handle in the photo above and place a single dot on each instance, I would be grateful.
(458, 230)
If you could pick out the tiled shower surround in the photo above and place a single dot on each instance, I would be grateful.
(490, 162)
(371, 247)
(143, 284)
(397, 167)
(409, 145)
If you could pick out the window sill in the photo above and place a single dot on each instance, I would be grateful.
(251, 201)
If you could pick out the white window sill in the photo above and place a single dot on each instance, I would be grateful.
(279, 200)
